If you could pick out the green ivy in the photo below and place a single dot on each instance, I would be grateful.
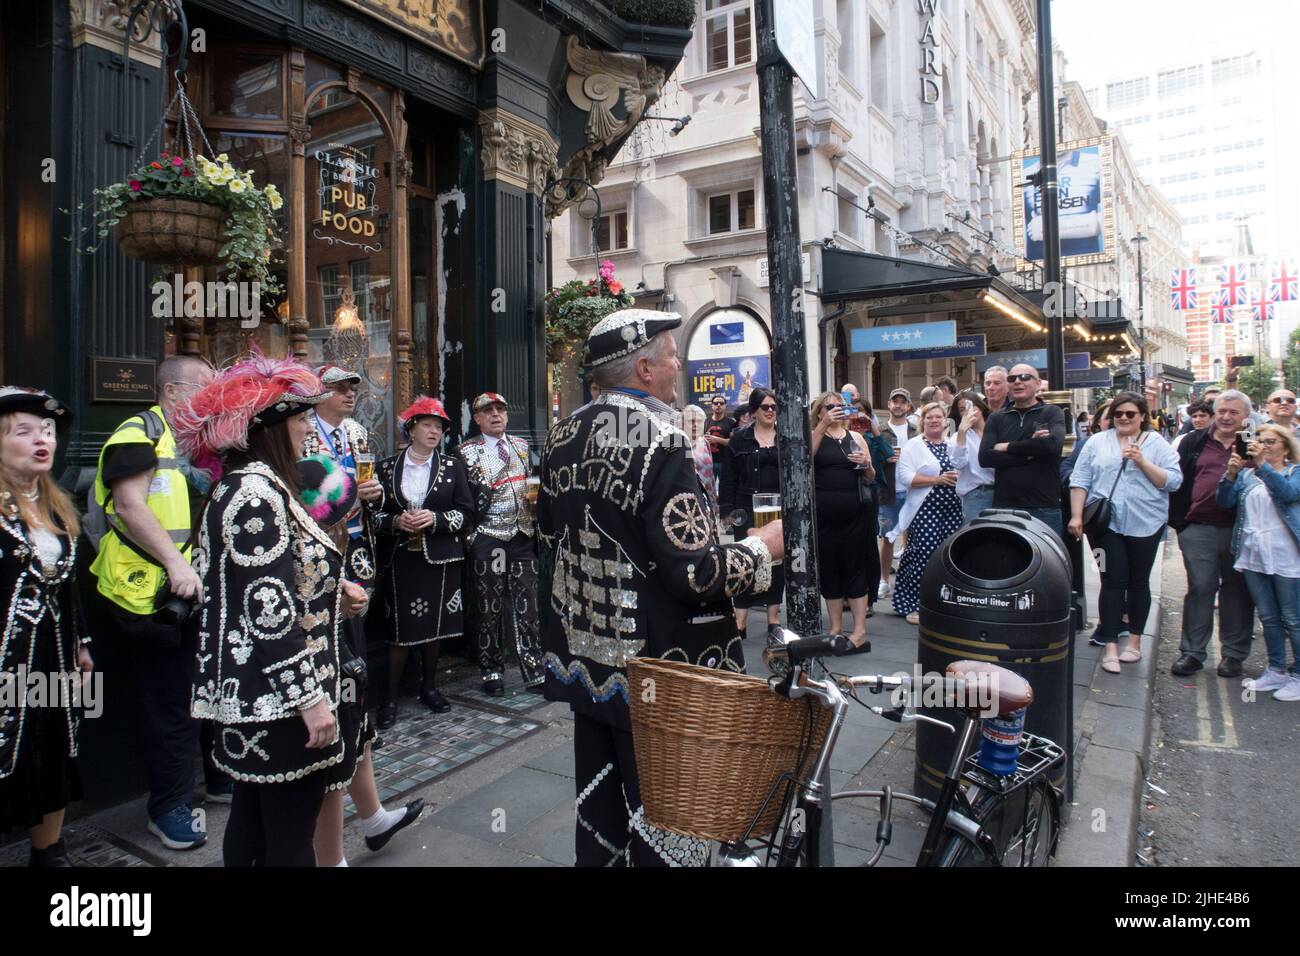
(669, 13)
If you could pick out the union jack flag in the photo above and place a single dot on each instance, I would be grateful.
(1182, 289)
(1232, 278)
(1284, 287)
(1261, 310)
(1220, 308)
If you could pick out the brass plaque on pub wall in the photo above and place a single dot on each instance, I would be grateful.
(453, 26)
(126, 381)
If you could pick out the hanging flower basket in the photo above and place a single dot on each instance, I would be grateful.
(186, 232)
(573, 309)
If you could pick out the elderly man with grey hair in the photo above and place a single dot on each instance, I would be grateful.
(1205, 536)
(638, 572)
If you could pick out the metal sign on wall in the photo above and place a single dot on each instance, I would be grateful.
(123, 381)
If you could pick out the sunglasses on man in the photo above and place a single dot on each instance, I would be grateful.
(1022, 377)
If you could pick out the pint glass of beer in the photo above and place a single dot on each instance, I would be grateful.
(766, 508)
(365, 466)
(530, 494)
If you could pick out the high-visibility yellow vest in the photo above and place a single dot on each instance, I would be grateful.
(126, 576)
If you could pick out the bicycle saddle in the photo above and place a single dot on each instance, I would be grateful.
(1014, 692)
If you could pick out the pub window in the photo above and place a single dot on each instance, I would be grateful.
(727, 34)
(246, 84)
(331, 292)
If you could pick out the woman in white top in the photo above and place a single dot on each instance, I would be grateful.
(974, 482)
(1266, 542)
(932, 510)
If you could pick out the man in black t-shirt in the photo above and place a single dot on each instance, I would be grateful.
(717, 432)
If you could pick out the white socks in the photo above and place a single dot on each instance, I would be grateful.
(380, 821)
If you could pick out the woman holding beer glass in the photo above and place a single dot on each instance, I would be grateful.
(422, 517)
(843, 477)
(932, 510)
(754, 470)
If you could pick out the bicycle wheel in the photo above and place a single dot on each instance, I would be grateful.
(1025, 830)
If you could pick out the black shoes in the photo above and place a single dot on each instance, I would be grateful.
(56, 854)
(387, 716)
(495, 687)
(434, 700)
(413, 810)
(1187, 664)
(1229, 667)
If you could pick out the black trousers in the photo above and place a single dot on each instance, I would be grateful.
(505, 590)
(611, 829)
(1125, 582)
(163, 679)
(271, 824)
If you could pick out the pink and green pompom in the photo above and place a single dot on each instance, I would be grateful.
(327, 491)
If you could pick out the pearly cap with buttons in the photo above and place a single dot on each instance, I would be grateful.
(623, 332)
(34, 401)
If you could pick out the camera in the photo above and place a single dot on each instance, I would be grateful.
(1244, 438)
(172, 610)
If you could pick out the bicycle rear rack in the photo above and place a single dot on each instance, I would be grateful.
(1036, 757)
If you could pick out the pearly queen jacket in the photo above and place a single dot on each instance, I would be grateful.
(43, 625)
(269, 621)
(639, 570)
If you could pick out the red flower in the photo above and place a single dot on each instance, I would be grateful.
(135, 185)
(616, 287)
(156, 165)
(186, 172)
(165, 155)
(176, 160)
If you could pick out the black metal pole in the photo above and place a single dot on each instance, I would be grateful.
(790, 358)
(1050, 197)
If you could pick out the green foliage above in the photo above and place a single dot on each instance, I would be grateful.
(573, 309)
(668, 13)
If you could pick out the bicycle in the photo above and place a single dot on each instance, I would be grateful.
(979, 818)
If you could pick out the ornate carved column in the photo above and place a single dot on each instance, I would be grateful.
(102, 23)
(402, 341)
(299, 135)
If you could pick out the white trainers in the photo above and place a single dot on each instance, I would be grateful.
(883, 591)
(1271, 679)
(1290, 692)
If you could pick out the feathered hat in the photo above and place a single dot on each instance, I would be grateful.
(421, 407)
(255, 392)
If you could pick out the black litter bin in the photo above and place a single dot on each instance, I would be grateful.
(997, 590)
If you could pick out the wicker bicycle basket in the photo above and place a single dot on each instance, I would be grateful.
(710, 745)
(181, 231)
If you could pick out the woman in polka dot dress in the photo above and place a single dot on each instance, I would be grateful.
(932, 510)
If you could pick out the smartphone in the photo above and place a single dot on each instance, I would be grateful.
(1241, 444)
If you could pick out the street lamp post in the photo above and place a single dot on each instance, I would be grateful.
(1138, 240)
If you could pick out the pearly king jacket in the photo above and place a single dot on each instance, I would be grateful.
(639, 571)
(42, 618)
(268, 626)
(499, 487)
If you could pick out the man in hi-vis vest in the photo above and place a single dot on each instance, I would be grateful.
(144, 488)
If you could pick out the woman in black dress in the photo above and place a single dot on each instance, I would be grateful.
(843, 476)
(44, 634)
(270, 624)
(423, 516)
(753, 469)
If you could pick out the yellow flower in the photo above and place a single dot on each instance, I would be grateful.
(237, 186)
(223, 158)
(228, 173)
(212, 171)
(276, 201)
(273, 195)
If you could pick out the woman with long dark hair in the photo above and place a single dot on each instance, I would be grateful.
(44, 633)
(425, 513)
(274, 598)
(753, 469)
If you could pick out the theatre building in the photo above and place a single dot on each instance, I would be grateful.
(414, 142)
